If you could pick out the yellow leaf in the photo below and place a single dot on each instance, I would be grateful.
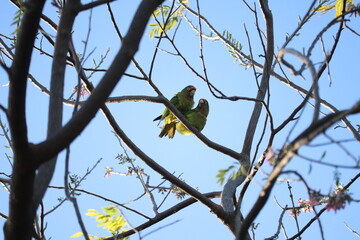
(326, 7)
(78, 234)
(339, 6)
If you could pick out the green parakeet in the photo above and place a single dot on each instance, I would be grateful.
(183, 101)
(196, 117)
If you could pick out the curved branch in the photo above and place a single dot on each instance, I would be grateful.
(324, 103)
(310, 65)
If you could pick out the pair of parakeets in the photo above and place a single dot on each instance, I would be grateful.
(184, 101)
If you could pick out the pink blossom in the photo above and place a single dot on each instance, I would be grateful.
(83, 91)
(305, 205)
(109, 171)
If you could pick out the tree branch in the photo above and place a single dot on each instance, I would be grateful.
(20, 216)
(276, 75)
(73, 128)
(314, 76)
(46, 170)
(287, 154)
(170, 177)
(95, 4)
(164, 215)
(231, 185)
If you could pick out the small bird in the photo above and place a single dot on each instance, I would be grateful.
(183, 101)
(196, 117)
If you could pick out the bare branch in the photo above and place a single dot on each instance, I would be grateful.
(70, 131)
(310, 65)
(95, 4)
(310, 12)
(253, 121)
(276, 235)
(304, 138)
(45, 171)
(279, 77)
(317, 216)
(164, 214)
(352, 230)
(22, 181)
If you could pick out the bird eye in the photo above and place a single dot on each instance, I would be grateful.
(190, 88)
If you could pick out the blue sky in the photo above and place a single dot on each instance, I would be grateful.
(226, 125)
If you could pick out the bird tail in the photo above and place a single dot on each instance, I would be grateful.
(172, 128)
(168, 130)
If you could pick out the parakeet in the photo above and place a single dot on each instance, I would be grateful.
(196, 117)
(183, 101)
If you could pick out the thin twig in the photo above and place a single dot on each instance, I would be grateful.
(140, 177)
(103, 198)
(201, 47)
(352, 230)
(165, 214)
(336, 166)
(310, 65)
(287, 154)
(276, 235)
(293, 206)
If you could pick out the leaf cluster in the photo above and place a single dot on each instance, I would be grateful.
(17, 18)
(111, 219)
(234, 47)
(124, 159)
(169, 19)
(221, 176)
(327, 5)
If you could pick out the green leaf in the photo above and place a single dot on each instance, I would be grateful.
(222, 173)
(233, 46)
(323, 155)
(111, 210)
